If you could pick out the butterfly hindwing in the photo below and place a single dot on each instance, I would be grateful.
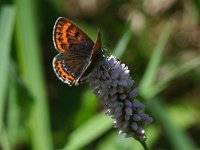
(69, 68)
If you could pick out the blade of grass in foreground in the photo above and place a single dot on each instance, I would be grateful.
(30, 63)
(6, 30)
(88, 132)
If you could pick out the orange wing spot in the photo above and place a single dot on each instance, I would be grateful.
(64, 73)
(65, 28)
(61, 36)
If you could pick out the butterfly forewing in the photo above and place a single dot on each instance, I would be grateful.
(68, 36)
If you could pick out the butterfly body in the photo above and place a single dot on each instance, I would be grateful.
(78, 54)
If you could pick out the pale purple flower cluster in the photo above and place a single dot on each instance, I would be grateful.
(112, 83)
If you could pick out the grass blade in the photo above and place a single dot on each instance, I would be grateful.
(177, 72)
(116, 141)
(4, 141)
(30, 63)
(122, 44)
(13, 115)
(88, 132)
(6, 27)
(156, 57)
(179, 139)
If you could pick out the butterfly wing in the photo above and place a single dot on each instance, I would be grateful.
(68, 36)
(69, 68)
(75, 49)
(97, 54)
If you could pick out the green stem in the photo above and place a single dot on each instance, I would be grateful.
(144, 145)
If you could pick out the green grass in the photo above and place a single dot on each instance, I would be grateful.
(149, 90)
(7, 17)
(31, 68)
(88, 132)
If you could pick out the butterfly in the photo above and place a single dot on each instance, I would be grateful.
(78, 54)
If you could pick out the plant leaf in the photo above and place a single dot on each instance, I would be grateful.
(6, 26)
(31, 68)
(88, 132)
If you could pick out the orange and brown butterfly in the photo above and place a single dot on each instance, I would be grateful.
(78, 54)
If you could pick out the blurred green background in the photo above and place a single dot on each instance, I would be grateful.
(159, 40)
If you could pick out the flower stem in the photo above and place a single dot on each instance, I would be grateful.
(144, 145)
